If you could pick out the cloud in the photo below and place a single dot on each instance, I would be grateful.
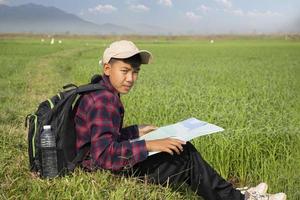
(225, 3)
(168, 3)
(203, 8)
(254, 13)
(103, 9)
(139, 8)
(268, 13)
(237, 12)
(192, 16)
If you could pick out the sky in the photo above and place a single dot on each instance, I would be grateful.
(186, 16)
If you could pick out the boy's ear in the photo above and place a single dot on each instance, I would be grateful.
(107, 69)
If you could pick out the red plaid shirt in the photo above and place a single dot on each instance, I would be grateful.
(98, 121)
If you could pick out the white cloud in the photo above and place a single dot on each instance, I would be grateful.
(168, 3)
(237, 12)
(103, 9)
(139, 8)
(254, 13)
(192, 16)
(226, 3)
(203, 8)
(268, 13)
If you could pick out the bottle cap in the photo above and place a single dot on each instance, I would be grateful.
(47, 127)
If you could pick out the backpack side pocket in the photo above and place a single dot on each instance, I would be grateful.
(31, 122)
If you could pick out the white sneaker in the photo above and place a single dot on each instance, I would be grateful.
(257, 196)
(260, 189)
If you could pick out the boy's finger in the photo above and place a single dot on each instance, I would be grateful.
(175, 148)
(169, 151)
(178, 140)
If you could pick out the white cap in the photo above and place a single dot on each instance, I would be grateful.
(124, 49)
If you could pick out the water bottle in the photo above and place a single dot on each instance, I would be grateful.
(49, 154)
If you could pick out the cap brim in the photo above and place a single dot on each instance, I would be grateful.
(146, 56)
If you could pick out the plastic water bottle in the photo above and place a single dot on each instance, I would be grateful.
(49, 154)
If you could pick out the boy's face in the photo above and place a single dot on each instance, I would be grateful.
(121, 75)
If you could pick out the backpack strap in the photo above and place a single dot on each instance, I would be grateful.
(26, 119)
(96, 78)
(69, 86)
(89, 88)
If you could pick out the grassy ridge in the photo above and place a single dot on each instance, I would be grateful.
(249, 87)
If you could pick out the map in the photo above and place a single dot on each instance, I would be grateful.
(184, 130)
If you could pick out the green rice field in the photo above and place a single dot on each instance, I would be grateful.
(247, 85)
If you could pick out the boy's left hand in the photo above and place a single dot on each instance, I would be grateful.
(144, 129)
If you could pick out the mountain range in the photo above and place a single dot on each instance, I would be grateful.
(33, 18)
(39, 19)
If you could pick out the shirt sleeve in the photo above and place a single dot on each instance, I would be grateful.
(130, 132)
(107, 150)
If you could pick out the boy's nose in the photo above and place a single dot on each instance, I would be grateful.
(129, 77)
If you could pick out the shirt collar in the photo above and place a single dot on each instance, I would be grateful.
(106, 83)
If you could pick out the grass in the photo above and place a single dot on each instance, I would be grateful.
(249, 87)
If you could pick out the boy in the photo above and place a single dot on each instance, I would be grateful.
(99, 120)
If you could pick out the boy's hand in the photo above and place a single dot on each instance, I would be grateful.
(144, 129)
(168, 145)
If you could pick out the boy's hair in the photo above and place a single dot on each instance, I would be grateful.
(134, 61)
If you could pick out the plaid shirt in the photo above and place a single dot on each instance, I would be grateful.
(98, 121)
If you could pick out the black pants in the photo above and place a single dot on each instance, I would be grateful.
(188, 167)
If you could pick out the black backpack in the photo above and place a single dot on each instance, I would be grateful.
(59, 112)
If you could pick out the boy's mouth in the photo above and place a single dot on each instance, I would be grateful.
(127, 86)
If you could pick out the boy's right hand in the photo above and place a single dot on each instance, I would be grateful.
(168, 145)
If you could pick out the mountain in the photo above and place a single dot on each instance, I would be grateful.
(33, 18)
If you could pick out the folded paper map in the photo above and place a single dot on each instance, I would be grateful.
(185, 130)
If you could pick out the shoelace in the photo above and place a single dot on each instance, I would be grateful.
(256, 196)
(243, 190)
